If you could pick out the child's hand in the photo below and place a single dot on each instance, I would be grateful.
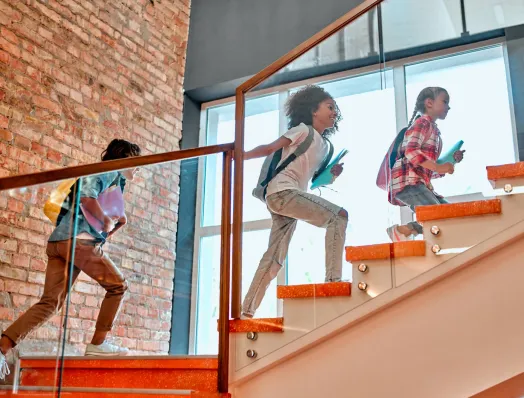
(458, 156)
(109, 224)
(122, 220)
(337, 169)
(446, 168)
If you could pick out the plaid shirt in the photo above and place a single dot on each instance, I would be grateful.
(422, 142)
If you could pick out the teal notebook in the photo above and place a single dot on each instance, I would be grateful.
(448, 156)
(326, 178)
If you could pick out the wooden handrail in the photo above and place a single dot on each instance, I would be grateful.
(225, 272)
(315, 40)
(241, 91)
(26, 180)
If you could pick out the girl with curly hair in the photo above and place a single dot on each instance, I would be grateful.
(287, 198)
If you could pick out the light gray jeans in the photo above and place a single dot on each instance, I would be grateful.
(286, 208)
(418, 195)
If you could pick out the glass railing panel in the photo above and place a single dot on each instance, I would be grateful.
(302, 234)
(33, 288)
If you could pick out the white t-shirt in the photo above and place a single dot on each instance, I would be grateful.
(300, 171)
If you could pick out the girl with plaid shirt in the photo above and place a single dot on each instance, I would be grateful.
(416, 164)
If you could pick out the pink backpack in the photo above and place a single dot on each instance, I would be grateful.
(390, 158)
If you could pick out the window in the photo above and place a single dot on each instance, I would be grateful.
(479, 115)
(373, 105)
(361, 100)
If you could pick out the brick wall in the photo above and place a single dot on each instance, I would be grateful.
(73, 75)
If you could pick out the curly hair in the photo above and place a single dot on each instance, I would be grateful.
(301, 106)
(120, 149)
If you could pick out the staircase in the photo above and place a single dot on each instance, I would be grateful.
(136, 377)
(455, 236)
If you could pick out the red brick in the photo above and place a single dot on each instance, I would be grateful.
(33, 250)
(5, 134)
(57, 146)
(24, 168)
(38, 149)
(22, 288)
(20, 234)
(36, 278)
(8, 244)
(15, 205)
(4, 122)
(76, 83)
(22, 142)
(4, 57)
(9, 35)
(54, 156)
(91, 301)
(38, 264)
(37, 239)
(19, 300)
(7, 314)
(47, 104)
(20, 260)
(77, 298)
(11, 48)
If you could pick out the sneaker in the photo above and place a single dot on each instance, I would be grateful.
(4, 369)
(245, 316)
(105, 350)
(396, 236)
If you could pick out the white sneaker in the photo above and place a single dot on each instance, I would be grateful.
(105, 350)
(396, 236)
(4, 369)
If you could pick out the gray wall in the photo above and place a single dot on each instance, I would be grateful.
(230, 40)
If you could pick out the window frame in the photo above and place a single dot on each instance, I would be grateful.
(399, 85)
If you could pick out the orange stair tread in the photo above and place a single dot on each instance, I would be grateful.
(332, 289)
(82, 394)
(260, 325)
(206, 363)
(456, 210)
(384, 251)
(135, 378)
(511, 170)
(111, 394)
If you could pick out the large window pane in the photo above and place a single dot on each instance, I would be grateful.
(261, 127)
(480, 114)
(254, 246)
(485, 15)
(367, 104)
(412, 23)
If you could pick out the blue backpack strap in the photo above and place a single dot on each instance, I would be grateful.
(326, 160)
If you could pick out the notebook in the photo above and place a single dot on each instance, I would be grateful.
(326, 178)
(112, 202)
(448, 156)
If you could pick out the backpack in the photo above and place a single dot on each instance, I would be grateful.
(58, 203)
(60, 200)
(384, 172)
(272, 165)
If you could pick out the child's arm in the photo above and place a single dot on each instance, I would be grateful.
(414, 153)
(266, 150)
(93, 207)
(445, 168)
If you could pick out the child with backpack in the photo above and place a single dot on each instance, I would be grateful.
(415, 160)
(293, 160)
(89, 257)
